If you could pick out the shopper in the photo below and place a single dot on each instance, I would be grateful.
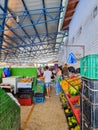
(58, 79)
(65, 71)
(47, 79)
(38, 72)
(42, 71)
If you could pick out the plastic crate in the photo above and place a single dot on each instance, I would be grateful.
(90, 113)
(74, 99)
(85, 125)
(38, 99)
(25, 101)
(90, 89)
(76, 110)
(89, 66)
(24, 89)
(38, 94)
(39, 88)
(25, 95)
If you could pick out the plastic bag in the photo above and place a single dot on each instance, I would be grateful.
(71, 58)
(6, 72)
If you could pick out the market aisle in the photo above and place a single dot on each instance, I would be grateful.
(47, 116)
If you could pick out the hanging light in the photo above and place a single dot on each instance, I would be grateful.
(31, 38)
(17, 19)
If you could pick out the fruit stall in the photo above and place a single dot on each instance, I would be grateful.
(79, 96)
(70, 98)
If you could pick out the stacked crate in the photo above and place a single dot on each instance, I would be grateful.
(9, 113)
(89, 96)
(39, 93)
(25, 94)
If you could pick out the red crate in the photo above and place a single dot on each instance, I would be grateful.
(72, 101)
(25, 101)
(75, 99)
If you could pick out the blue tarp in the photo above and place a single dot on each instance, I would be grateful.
(71, 58)
(7, 72)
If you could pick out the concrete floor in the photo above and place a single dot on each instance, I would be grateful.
(45, 116)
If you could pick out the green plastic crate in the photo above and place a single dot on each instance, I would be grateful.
(89, 66)
(39, 88)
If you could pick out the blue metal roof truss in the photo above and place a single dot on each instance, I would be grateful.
(14, 43)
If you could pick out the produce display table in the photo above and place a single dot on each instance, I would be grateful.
(24, 85)
(25, 93)
(12, 80)
(7, 87)
(70, 98)
(73, 102)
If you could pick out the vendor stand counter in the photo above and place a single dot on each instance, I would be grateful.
(25, 84)
(7, 87)
(12, 80)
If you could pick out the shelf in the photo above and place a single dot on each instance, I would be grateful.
(73, 101)
(75, 108)
(73, 105)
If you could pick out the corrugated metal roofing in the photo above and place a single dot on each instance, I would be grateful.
(29, 29)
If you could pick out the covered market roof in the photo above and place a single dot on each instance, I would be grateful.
(29, 30)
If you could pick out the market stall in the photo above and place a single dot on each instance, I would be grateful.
(12, 80)
(70, 98)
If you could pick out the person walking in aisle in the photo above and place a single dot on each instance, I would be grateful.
(47, 79)
(58, 79)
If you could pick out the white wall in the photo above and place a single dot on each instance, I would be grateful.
(83, 29)
(83, 18)
(62, 53)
